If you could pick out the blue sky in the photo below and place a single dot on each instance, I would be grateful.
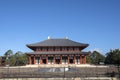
(96, 22)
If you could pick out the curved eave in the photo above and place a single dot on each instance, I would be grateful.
(55, 53)
(31, 47)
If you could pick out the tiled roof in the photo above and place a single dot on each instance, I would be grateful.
(57, 42)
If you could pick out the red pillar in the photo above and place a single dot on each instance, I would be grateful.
(54, 59)
(46, 59)
(80, 59)
(40, 59)
(68, 59)
(29, 59)
(60, 59)
(85, 59)
(74, 59)
(34, 60)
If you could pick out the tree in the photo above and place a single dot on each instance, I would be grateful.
(113, 57)
(20, 58)
(12, 60)
(7, 55)
(88, 59)
(96, 57)
(16, 59)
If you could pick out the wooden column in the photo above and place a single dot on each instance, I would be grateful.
(74, 59)
(85, 59)
(68, 59)
(40, 59)
(60, 59)
(80, 59)
(29, 59)
(34, 60)
(54, 59)
(46, 59)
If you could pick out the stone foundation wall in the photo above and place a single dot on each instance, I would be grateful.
(91, 78)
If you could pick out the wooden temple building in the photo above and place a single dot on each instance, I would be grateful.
(57, 51)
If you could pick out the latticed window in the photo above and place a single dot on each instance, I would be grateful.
(71, 56)
(70, 49)
(64, 49)
(57, 49)
(57, 56)
(38, 49)
(44, 49)
(43, 56)
(50, 55)
(76, 49)
(65, 55)
(50, 49)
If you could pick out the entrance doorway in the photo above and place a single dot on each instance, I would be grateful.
(57, 61)
(71, 61)
(44, 61)
(32, 60)
(50, 60)
(37, 60)
(64, 60)
(77, 60)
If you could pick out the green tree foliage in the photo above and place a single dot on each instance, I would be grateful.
(113, 57)
(12, 60)
(88, 59)
(8, 53)
(96, 57)
(7, 56)
(20, 58)
(17, 59)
